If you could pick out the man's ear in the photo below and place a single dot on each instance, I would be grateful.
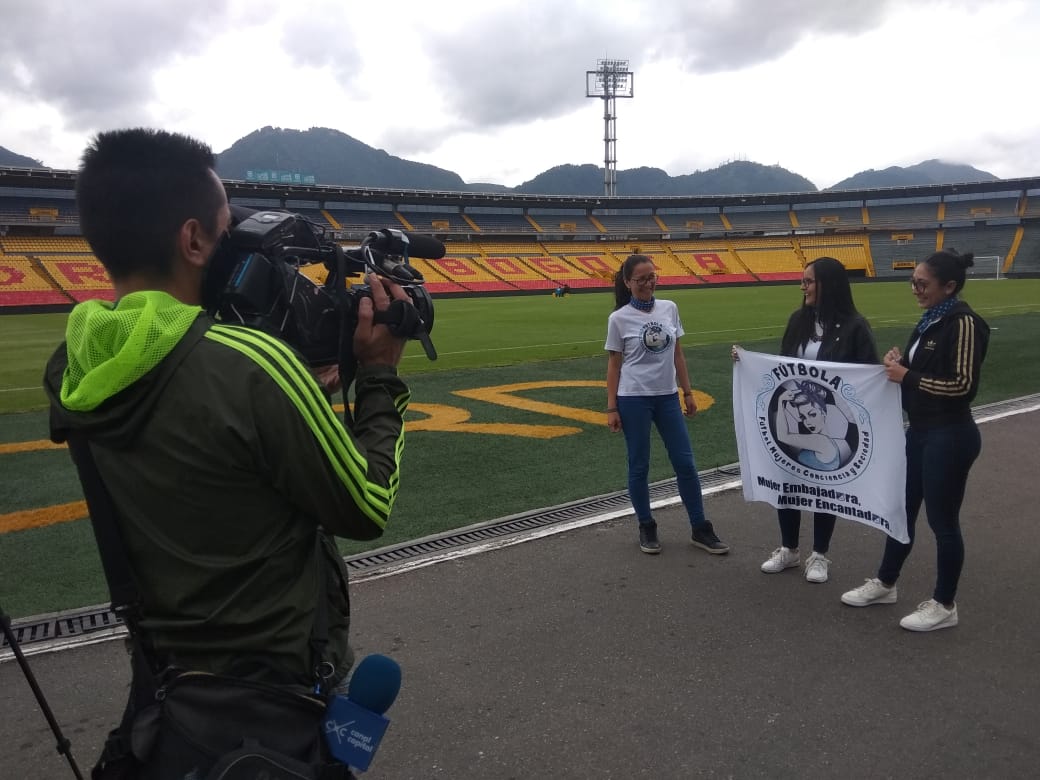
(193, 245)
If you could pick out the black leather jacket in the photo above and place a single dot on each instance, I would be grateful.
(848, 341)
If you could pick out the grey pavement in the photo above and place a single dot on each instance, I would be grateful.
(577, 656)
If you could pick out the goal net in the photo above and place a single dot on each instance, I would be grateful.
(986, 267)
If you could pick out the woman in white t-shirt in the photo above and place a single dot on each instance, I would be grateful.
(645, 366)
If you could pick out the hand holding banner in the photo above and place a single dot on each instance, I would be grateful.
(821, 437)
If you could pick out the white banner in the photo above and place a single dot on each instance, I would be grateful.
(821, 437)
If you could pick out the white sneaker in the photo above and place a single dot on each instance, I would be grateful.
(930, 615)
(870, 592)
(782, 558)
(816, 568)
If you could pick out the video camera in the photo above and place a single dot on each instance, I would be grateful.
(255, 279)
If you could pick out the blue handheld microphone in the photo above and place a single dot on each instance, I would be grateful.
(355, 724)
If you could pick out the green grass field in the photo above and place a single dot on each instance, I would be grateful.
(476, 454)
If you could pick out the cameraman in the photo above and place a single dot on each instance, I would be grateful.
(227, 467)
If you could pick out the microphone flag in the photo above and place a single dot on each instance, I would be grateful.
(353, 733)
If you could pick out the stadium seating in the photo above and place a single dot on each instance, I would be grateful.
(436, 222)
(816, 217)
(1031, 207)
(851, 249)
(38, 211)
(42, 245)
(894, 213)
(23, 283)
(769, 259)
(501, 223)
(971, 209)
(758, 218)
(617, 222)
(1027, 254)
(982, 241)
(561, 222)
(81, 277)
(895, 253)
(362, 220)
(698, 220)
(531, 244)
(711, 260)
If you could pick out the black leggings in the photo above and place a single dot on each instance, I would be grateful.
(790, 524)
(937, 464)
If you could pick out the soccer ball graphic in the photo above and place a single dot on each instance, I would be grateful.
(655, 339)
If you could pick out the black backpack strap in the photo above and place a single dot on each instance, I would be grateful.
(319, 640)
(122, 586)
(117, 755)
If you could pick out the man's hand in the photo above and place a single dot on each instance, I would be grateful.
(375, 344)
(328, 378)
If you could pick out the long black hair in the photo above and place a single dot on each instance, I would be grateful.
(833, 304)
(622, 295)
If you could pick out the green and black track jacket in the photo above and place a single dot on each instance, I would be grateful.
(229, 469)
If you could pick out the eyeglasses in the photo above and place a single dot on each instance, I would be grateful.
(648, 279)
(918, 285)
(806, 282)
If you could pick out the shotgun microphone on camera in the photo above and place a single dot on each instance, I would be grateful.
(398, 242)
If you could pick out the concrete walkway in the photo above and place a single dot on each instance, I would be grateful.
(577, 656)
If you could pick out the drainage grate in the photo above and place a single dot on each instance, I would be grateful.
(528, 521)
(74, 627)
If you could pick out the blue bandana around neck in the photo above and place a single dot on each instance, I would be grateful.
(934, 314)
(642, 305)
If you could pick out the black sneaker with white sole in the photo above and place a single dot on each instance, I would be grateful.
(648, 538)
(703, 536)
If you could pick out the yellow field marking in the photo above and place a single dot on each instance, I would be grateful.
(38, 518)
(452, 419)
(29, 446)
(502, 395)
(439, 417)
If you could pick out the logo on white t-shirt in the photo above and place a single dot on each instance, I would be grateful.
(655, 338)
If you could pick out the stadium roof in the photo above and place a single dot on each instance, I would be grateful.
(45, 178)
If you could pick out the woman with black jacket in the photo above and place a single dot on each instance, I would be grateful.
(938, 378)
(826, 327)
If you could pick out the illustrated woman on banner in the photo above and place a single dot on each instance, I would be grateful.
(814, 427)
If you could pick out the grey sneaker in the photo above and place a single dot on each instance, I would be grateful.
(703, 536)
(929, 616)
(816, 567)
(782, 558)
(873, 591)
(648, 538)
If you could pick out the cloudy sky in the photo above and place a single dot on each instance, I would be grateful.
(495, 90)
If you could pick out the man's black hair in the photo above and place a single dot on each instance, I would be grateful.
(135, 189)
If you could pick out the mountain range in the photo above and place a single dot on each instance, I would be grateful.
(326, 156)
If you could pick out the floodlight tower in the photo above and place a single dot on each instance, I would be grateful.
(611, 79)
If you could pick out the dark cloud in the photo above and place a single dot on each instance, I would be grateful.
(714, 37)
(94, 61)
(529, 60)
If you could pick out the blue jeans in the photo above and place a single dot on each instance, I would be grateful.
(637, 413)
(937, 464)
